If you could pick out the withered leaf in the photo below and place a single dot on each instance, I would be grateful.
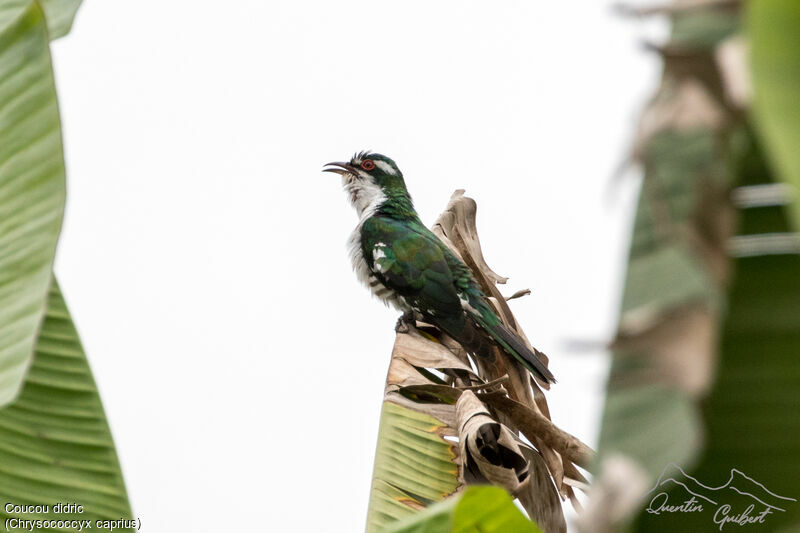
(536, 426)
(490, 449)
(540, 498)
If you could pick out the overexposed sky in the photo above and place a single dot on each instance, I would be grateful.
(203, 253)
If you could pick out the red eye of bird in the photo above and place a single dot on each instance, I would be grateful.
(368, 164)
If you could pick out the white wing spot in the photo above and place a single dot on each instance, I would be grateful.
(377, 254)
(465, 305)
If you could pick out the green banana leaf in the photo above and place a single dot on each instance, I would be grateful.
(774, 31)
(32, 186)
(478, 509)
(58, 13)
(55, 443)
(413, 466)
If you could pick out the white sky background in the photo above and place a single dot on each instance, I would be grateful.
(203, 253)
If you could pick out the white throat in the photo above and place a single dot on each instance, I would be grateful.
(365, 195)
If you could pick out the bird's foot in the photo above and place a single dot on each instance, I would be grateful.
(404, 321)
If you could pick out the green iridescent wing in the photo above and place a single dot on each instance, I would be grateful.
(410, 260)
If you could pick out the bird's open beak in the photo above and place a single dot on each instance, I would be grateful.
(344, 168)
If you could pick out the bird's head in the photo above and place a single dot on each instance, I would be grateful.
(369, 179)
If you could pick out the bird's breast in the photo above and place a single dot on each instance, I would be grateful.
(367, 276)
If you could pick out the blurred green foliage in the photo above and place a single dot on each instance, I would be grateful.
(478, 509)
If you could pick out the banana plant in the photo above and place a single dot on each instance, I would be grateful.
(704, 368)
(449, 420)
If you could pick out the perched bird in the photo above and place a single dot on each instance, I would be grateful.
(404, 264)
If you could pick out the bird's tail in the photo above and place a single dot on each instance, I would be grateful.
(483, 333)
(513, 345)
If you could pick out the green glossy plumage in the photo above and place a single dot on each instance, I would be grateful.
(409, 260)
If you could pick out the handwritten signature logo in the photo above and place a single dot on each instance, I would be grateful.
(741, 500)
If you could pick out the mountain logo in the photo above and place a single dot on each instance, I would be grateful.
(741, 500)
